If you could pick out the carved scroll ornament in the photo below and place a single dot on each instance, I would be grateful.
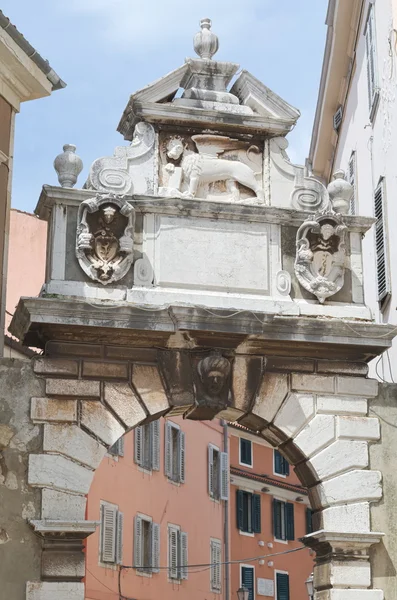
(320, 255)
(105, 237)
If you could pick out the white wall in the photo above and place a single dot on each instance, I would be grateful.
(376, 154)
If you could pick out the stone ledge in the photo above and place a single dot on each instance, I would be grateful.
(49, 590)
(79, 529)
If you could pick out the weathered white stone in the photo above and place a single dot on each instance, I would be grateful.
(357, 386)
(359, 428)
(317, 434)
(101, 422)
(123, 401)
(51, 590)
(72, 387)
(347, 518)
(49, 409)
(350, 594)
(58, 472)
(351, 574)
(340, 456)
(62, 506)
(147, 382)
(295, 413)
(273, 390)
(351, 487)
(73, 442)
(68, 166)
(312, 383)
(342, 405)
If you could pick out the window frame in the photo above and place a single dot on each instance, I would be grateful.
(286, 471)
(371, 57)
(284, 524)
(149, 436)
(169, 456)
(252, 498)
(222, 483)
(117, 535)
(280, 572)
(181, 560)
(246, 464)
(246, 566)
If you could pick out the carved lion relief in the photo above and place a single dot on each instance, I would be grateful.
(105, 237)
(321, 254)
(212, 167)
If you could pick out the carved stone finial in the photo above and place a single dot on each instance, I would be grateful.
(205, 42)
(68, 166)
(340, 192)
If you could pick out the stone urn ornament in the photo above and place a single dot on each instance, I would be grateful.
(68, 166)
(340, 193)
(205, 42)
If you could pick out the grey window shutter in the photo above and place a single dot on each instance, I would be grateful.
(382, 270)
(211, 470)
(173, 552)
(181, 456)
(184, 555)
(168, 450)
(121, 446)
(370, 43)
(352, 181)
(224, 470)
(256, 513)
(215, 570)
(289, 521)
(138, 563)
(108, 533)
(119, 540)
(138, 446)
(155, 439)
(155, 547)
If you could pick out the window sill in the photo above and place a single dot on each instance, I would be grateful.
(148, 574)
(176, 483)
(247, 533)
(281, 541)
(145, 470)
(108, 565)
(242, 464)
(283, 475)
(172, 580)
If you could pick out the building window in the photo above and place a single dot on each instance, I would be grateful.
(309, 520)
(174, 452)
(146, 545)
(218, 473)
(245, 452)
(248, 512)
(118, 448)
(283, 520)
(351, 173)
(147, 446)
(247, 580)
(372, 75)
(381, 248)
(282, 586)
(281, 465)
(216, 567)
(111, 535)
(177, 553)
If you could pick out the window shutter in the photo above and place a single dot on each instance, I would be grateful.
(168, 450)
(211, 470)
(286, 466)
(138, 446)
(289, 521)
(256, 513)
(173, 552)
(282, 581)
(277, 528)
(245, 451)
(240, 510)
(380, 244)
(224, 470)
(278, 463)
(184, 555)
(352, 181)
(337, 118)
(215, 570)
(309, 519)
(181, 456)
(108, 533)
(155, 439)
(155, 547)
(370, 43)
(138, 542)
(247, 580)
(119, 540)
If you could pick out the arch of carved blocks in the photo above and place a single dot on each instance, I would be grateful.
(316, 417)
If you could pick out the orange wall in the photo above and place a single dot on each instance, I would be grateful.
(188, 505)
(299, 565)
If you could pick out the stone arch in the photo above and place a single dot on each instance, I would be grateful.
(315, 416)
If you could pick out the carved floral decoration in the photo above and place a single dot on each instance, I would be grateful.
(320, 255)
(105, 237)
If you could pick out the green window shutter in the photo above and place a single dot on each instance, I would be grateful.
(256, 513)
(183, 555)
(182, 469)
(286, 467)
(277, 526)
(240, 510)
(278, 463)
(247, 580)
(155, 547)
(155, 441)
(289, 521)
(245, 451)
(138, 562)
(119, 540)
(309, 519)
(282, 583)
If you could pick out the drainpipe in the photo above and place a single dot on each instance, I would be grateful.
(226, 517)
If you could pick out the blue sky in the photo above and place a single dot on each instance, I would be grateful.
(107, 49)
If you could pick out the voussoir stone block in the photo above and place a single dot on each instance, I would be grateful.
(57, 472)
(56, 366)
(350, 487)
(312, 383)
(359, 428)
(73, 442)
(340, 456)
(347, 518)
(109, 370)
(148, 384)
(56, 505)
(125, 404)
(82, 388)
(350, 594)
(342, 405)
(357, 386)
(272, 392)
(50, 409)
(101, 422)
(53, 590)
(296, 411)
(317, 434)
